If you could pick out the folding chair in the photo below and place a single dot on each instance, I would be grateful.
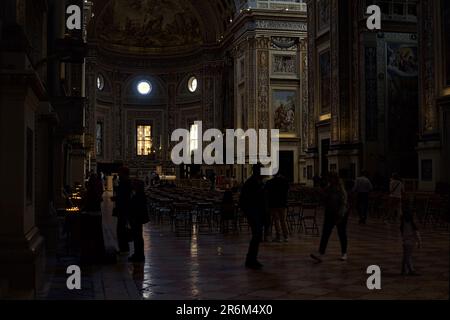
(309, 218)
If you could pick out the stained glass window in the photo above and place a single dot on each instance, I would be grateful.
(144, 140)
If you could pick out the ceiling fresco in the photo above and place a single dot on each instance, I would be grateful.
(146, 26)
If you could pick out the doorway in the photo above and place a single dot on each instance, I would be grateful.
(324, 149)
(287, 165)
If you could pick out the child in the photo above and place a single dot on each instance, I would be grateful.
(411, 237)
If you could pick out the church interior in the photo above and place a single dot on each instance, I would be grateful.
(80, 108)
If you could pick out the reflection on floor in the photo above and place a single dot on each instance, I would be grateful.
(210, 266)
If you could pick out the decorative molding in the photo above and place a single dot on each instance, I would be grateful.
(335, 83)
(281, 25)
(284, 43)
(263, 89)
(429, 111)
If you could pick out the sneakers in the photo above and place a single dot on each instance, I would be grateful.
(317, 258)
(344, 257)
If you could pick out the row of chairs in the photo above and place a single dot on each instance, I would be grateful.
(431, 210)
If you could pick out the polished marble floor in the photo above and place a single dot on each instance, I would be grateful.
(210, 266)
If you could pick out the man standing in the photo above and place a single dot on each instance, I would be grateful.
(362, 188)
(277, 192)
(252, 204)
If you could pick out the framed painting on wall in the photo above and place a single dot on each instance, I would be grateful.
(284, 106)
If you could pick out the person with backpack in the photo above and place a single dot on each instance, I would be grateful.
(336, 215)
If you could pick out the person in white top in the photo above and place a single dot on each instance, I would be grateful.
(362, 188)
(396, 191)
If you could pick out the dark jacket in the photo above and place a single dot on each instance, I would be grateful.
(335, 203)
(252, 199)
(123, 198)
(277, 192)
(138, 209)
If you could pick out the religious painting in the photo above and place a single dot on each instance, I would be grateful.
(150, 24)
(325, 82)
(284, 64)
(284, 108)
(445, 9)
(402, 96)
(323, 15)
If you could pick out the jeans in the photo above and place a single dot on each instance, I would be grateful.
(256, 225)
(122, 233)
(328, 226)
(407, 265)
(279, 220)
(362, 205)
(138, 239)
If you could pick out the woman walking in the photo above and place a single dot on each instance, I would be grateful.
(336, 215)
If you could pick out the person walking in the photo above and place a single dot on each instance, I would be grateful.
(94, 196)
(336, 215)
(252, 203)
(411, 238)
(362, 188)
(277, 193)
(138, 217)
(396, 191)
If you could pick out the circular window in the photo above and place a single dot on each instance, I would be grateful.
(100, 82)
(144, 87)
(192, 84)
